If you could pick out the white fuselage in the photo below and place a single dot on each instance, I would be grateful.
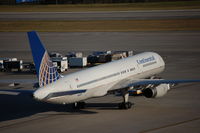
(98, 80)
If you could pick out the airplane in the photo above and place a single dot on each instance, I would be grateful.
(123, 75)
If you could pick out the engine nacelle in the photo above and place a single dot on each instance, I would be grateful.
(158, 91)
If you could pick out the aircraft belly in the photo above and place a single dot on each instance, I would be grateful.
(67, 99)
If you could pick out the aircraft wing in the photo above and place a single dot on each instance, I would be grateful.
(23, 81)
(143, 82)
(16, 92)
(160, 81)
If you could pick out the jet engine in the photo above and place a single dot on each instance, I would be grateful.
(157, 91)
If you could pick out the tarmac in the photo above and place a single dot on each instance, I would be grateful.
(176, 112)
(101, 15)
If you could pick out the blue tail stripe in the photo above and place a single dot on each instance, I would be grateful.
(37, 48)
(46, 72)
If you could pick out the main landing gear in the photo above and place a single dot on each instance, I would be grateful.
(125, 104)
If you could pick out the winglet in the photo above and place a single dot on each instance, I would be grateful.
(46, 72)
